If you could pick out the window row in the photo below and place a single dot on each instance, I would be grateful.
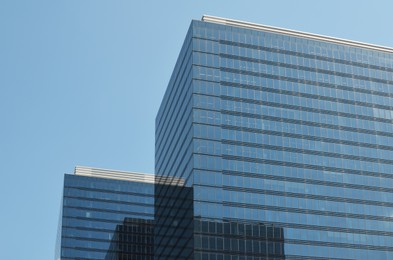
(262, 155)
(252, 230)
(280, 43)
(99, 215)
(264, 111)
(318, 203)
(109, 206)
(335, 252)
(260, 97)
(242, 54)
(74, 181)
(236, 76)
(338, 237)
(232, 245)
(110, 196)
(302, 173)
(252, 128)
(255, 214)
(292, 144)
(323, 92)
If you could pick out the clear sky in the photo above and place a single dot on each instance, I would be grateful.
(81, 82)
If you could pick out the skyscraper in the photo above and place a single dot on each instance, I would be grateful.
(283, 141)
(106, 214)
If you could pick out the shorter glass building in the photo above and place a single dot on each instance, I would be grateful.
(106, 214)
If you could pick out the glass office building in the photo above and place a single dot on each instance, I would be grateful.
(106, 214)
(283, 142)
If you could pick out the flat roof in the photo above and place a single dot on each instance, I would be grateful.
(114, 174)
(248, 25)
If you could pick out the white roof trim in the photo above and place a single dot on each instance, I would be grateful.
(243, 24)
(113, 174)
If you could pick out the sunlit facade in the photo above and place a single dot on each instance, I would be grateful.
(284, 142)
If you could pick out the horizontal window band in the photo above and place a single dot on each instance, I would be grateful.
(98, 210)
(79, 248)
(305, 242)
(304, 81)
(299, 257)
(149, 217)
(312, 56)
(287, 120)
(295, 107)
(294, 180)
(307, 137)
(111, 201)
(306, 181)
(307, 211)
(242, 253)
(314, 197)
(298, 165)
(293, 135)
(307, 166)
(100, 240)
(303, 122)
(273, 257)
(243, 237)
(339, 245)
(306, 95)
(284, 225)
(88, 189)
(305, 55)
(304, 68)
(149, 225)
(308, 152)
(305, 109)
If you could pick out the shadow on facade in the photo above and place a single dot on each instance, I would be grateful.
(174, 220)
(132, 240)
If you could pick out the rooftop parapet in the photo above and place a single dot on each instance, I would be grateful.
(255, 26)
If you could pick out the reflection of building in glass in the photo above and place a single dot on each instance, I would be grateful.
(132, 240)
(282, 128)
(231, 238)
(101, 207)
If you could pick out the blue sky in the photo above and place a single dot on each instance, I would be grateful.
(81, 82)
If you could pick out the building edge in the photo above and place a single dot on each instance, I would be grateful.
(311, 36)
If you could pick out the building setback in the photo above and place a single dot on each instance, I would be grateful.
(270, 144)
(283, 141)
(106, 214)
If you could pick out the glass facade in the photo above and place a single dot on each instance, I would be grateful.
(106, 218)
(285, 141)
(132, 240)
